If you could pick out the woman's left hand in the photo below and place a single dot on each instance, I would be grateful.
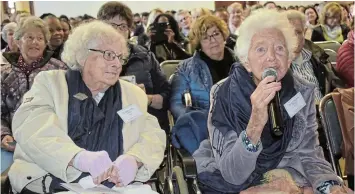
(170, 33)
(124, 170)
(340, 190)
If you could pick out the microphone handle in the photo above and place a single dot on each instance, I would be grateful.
(276, 116)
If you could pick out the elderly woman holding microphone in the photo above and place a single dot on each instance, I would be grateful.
(85, 121)
(245, 153)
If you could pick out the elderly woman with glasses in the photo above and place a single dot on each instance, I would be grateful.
(248, 153)
(8, 36)
(85, 121)
(210, 63)
(18, 70)
(141, 63)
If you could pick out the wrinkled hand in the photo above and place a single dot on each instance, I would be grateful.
(260, 98)
(340, 190)
(124, 170)
(170, 34)
(98, 164)
(5, 143)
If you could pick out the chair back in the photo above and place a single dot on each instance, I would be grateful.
(333, 45)
(332, 130)
(332, 56)
(169, 67)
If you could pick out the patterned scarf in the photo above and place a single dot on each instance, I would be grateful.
(25, 68)
(332, 34)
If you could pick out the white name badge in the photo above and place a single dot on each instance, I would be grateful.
(295, 104)
(130, 113)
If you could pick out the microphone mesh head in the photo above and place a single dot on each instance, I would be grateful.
(269, 72)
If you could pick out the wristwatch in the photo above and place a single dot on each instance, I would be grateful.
(248, 144)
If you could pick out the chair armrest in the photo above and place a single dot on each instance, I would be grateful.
(188, 163)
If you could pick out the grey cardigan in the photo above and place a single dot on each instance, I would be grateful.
(304, 157)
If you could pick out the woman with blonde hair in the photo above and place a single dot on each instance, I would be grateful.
(210, 63)
(331, 28)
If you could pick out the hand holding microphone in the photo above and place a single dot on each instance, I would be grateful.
(260, 100)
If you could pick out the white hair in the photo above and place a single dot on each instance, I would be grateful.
(31, 22)
(87, 36)
(181, 12)
(296, 15)
(234, 5)
(258, 21)
(10, 26)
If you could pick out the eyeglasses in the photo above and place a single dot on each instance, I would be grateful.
(122, 27)
(209, 37)
(110, 56)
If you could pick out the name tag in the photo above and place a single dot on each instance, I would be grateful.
(295, 104)
(130, 113)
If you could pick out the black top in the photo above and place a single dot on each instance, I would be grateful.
(218, 69)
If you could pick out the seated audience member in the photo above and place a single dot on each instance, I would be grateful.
(7, 35)
(56, 41)
(331, 28)
(141, 62)
(152, 15)
(66, 29)
(210, 63)
(345, 59)
(312, 21)
(145, 16)
(270, 5)
(174, 46)
(301, 9)
(235, 12)
(79, 109)
(345, 15)
(64, 18)
(183, 18)
(3, 42)
(223, 15)
(21, 16)
(18, 69)
(137, 24)
(310, 61)
(198, 12)
(243, 154)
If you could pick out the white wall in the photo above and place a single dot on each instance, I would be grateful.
(76, 8)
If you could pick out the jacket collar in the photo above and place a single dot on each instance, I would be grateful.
(12, 57)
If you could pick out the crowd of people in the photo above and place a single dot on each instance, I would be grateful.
(67, 114)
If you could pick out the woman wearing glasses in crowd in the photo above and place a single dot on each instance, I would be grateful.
(77, 123)
(331, 28)
(210, 63)
(18, 69)
(173, 46)
(141, 62)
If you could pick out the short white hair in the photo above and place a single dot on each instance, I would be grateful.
(10, 26)
(87, 36)
(234, 5)
(258, 21)
(296, 15)
(181, 12)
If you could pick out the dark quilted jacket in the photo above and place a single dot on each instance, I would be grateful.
(14, 84)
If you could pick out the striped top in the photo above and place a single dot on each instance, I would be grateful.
(303, 67)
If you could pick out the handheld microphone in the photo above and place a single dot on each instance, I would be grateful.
(274, 106)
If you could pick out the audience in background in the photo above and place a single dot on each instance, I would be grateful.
(222, 14)
(301, 9)
(331, 28)
(235, 11)
(141, 62)
(198, 12)
(18, 70)
(56, 40)
(64, 18)
(270, 5)
(174, 46)
(137, 27)
(183, 18)
(210, 63)
(145, 16)
(345, 59)
(345, 15)
(312, 21)
(66, 29)
(153, 14)
(7, 35)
